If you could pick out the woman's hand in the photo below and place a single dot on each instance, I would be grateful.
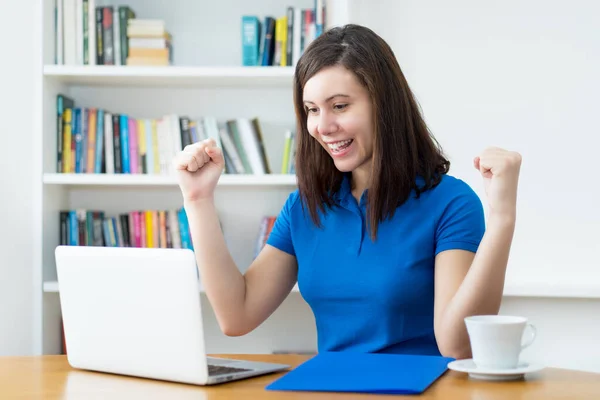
(198, 167)
(500, 170)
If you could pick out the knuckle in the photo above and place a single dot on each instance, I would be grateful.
(190, 148)
(514, 159)
(518, 157)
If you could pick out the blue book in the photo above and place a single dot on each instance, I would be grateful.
(73, 228)
(77, 134)
(250, 40)
(99, 151)
(268, 42)
(124, 127)
(364, 373)
(184, 229)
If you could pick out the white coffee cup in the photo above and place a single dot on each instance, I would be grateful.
(497, 340)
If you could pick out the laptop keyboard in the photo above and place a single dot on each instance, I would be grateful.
(221, 369)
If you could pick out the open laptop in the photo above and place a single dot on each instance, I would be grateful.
(136, 311)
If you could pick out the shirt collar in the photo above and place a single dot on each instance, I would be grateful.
(344, 194)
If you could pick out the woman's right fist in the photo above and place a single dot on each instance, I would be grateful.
(198, 167)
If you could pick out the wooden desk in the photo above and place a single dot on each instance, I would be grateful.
(51, 377)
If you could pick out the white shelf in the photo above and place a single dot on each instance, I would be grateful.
(138, 180)
(552, 290)
(52, 287)
(151, 76)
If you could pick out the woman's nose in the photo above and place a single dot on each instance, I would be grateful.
(327, 124)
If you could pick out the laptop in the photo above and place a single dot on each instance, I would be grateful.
(137, 312)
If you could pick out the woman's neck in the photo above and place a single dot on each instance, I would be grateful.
(360, 182)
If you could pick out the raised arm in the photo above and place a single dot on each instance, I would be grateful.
(471, 284)
(240, 302)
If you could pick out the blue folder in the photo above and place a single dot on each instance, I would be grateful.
(364, 373)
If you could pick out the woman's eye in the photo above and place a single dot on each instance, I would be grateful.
(311, 110)
(340, 106)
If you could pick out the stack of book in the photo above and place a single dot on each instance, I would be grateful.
(149, 42)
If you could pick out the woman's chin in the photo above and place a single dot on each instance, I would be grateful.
(345, 165)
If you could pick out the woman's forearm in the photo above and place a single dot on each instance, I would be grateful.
(482, 288)
(223, 282)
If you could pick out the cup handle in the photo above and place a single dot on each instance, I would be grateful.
(533, 334)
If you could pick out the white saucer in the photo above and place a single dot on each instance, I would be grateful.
(491, 374)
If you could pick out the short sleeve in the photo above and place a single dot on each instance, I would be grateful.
(281, 234)
(462, 223)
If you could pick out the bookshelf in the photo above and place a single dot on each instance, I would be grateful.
(206, 79)
(148, 76)
(126, 180)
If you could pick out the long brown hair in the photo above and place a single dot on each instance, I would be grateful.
(403, 147)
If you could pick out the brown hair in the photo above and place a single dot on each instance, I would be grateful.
(403, 147)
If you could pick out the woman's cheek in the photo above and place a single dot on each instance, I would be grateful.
(311, 127)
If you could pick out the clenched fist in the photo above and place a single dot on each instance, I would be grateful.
(198, 167)
(500, 171)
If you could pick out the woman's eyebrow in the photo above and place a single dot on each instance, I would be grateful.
(329, 98)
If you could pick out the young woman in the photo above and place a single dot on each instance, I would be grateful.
(389, 251)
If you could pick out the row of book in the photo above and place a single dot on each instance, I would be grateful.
(281, 40)
(94, 140)
(89, 34)
(144, 228)
(139, 228)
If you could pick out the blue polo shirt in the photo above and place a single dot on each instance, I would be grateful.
(377, 296)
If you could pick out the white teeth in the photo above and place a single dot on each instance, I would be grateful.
(337, 145)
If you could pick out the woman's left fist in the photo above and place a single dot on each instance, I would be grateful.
(500, 171)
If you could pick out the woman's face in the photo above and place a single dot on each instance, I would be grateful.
(339, 117)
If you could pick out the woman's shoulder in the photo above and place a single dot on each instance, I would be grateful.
(454, 184)
(293, 201)
(451, 187)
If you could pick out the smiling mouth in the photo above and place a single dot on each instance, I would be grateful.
(338, 147)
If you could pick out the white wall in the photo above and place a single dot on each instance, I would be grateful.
(520, 75)
(16, 179)
(568, 331)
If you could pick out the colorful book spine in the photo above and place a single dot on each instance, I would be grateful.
(124, 125)
(91, 139)
(99, 148)
(250, 40)
(132, 137)
(268, 41)
(77, 137)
